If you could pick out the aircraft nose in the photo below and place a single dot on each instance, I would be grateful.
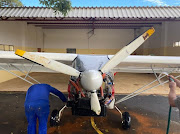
(91, 80)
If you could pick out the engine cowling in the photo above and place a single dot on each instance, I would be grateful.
(91, 80)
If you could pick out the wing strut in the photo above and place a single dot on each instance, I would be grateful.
(22, 77)
(155, 75)
(17, 75)
(27, 74)
(137, 92)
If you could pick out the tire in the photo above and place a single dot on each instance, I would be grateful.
(54, 118)
(126, 120)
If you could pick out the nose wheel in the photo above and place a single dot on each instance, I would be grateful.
(126, 119)
(54, 119)
(56, 116)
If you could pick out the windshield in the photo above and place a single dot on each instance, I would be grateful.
(90, 62)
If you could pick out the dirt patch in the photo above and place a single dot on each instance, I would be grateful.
(110, 124)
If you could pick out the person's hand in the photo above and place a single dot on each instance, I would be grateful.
(172, 93)
(172, 85)
(172, 77)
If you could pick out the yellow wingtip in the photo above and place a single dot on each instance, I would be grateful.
(20, 52)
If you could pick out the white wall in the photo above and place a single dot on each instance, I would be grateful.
(78, 38)
(20, 34)
(65, 38)
(23, 35)
(111, 38)
(171, 32)
(11, 33)
(165, 35)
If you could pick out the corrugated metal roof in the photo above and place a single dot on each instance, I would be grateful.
(94, 12)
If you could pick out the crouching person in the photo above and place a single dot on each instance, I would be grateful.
(37, 106)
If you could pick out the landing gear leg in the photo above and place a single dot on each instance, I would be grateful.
(56, 116)
(126, 119)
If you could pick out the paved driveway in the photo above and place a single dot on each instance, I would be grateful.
(149, 116)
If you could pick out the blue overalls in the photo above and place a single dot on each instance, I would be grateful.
(37, 106)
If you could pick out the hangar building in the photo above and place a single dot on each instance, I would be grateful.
(90, 30)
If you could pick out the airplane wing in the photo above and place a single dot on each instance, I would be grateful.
(132, 64)
(149, 64)
(10, 61)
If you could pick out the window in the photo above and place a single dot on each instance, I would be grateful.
(2, 47)
(6, 47)
(176, 44)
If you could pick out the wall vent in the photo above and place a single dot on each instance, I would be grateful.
(71, 50)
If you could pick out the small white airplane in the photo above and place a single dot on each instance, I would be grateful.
(91, 85)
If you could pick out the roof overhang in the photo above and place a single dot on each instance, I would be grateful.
(93, 18)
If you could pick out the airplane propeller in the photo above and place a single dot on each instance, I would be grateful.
(48, 63)
(91, 80)
(95, 105)
(127, 50)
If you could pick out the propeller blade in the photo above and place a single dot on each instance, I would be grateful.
(48, 63)
(127, 50)
(95, 105)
